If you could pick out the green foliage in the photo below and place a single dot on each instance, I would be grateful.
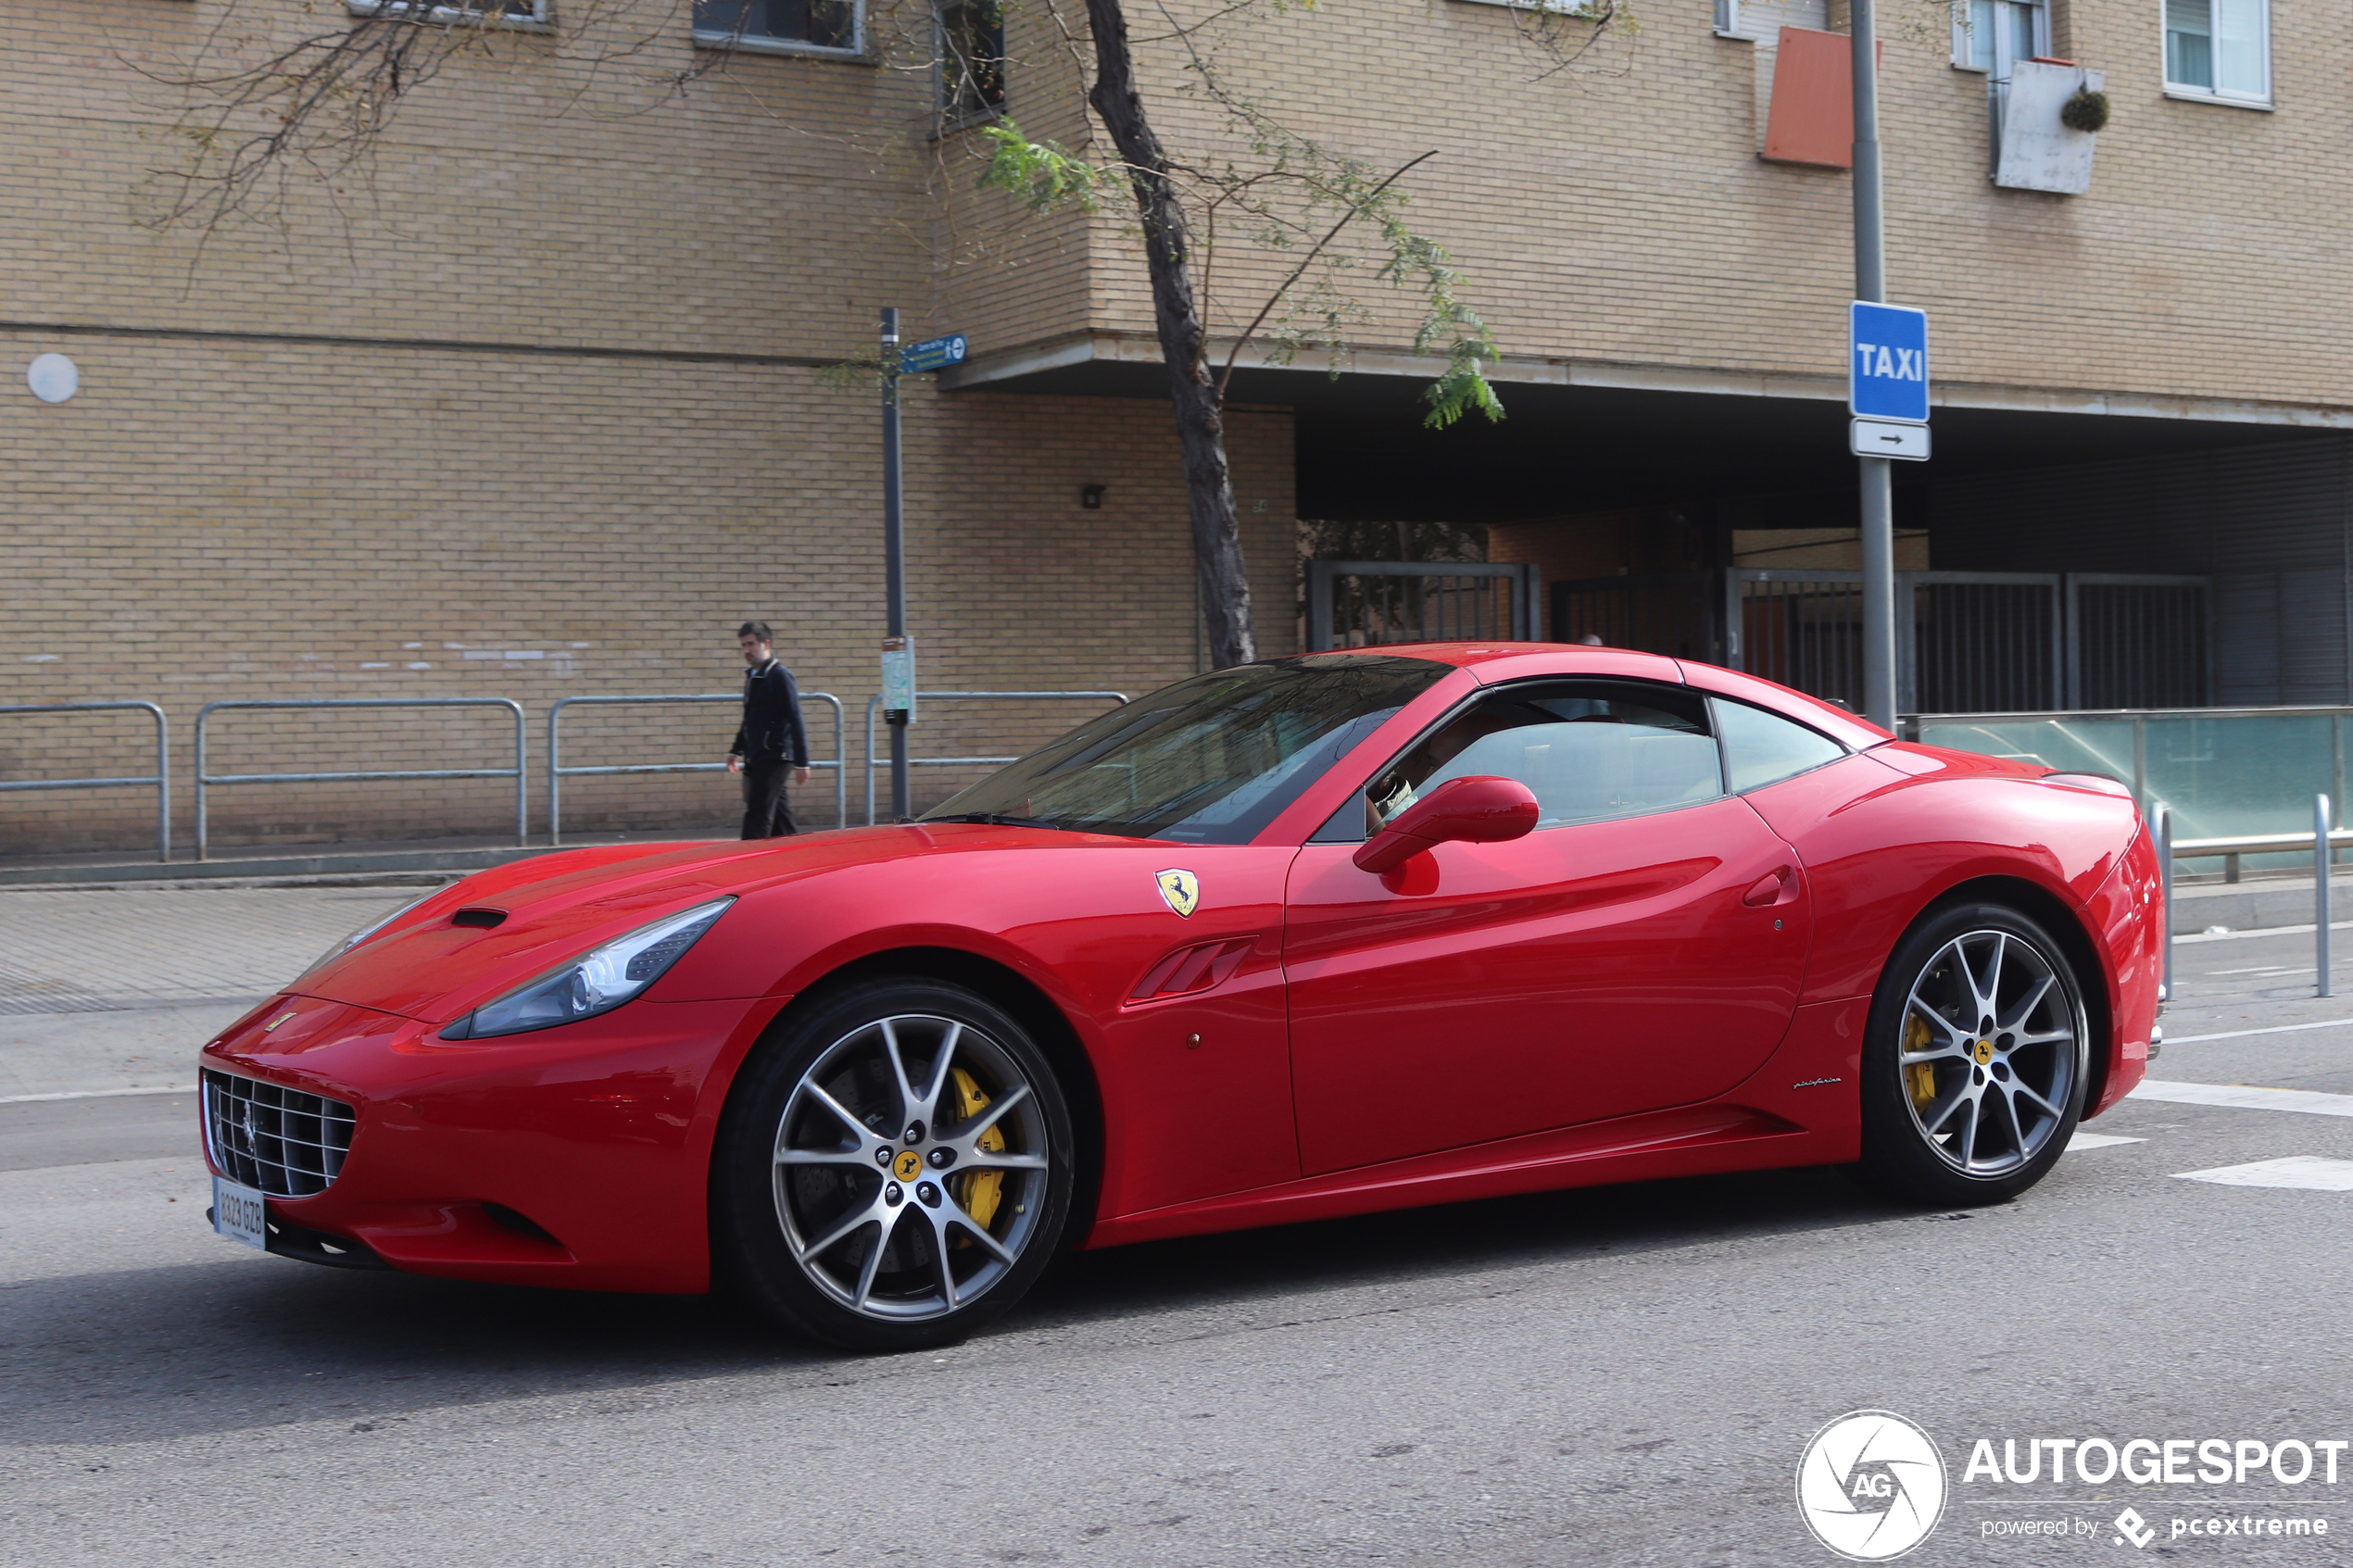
(1042, 175)
(1463, 386)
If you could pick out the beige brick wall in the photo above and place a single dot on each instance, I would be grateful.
(211, 521)
(238, 520)
(230, 518)
(1617, 212)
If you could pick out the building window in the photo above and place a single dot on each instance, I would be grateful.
(2219, 48)
(971, 60)
(1992, 35)
(529, 16)
(781, 27)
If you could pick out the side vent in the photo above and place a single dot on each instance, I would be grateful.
(1192, 969)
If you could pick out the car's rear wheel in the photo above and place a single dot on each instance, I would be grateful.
(1975, 1059)
(894, 1169)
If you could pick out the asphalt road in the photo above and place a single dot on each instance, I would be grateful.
(1619, 1375)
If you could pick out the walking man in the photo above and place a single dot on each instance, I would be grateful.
(770, 742)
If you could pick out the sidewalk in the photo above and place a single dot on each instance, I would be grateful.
(116, 988)
(352, 857)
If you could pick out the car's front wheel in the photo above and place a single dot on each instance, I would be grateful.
(894, 1169)
(1974, 1058)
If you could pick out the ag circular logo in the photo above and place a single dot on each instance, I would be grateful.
(1871, 1485)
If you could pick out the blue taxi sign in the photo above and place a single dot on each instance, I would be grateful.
(1887, 362)
(932, 354)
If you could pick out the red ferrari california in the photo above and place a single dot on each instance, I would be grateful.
(1309, 937)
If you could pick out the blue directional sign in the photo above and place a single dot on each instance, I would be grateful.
(1887, 362)
(933, 353)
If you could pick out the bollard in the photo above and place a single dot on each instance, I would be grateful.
(2321, 888)
(2165, 895)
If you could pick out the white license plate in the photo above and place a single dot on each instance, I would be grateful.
(237, 1213)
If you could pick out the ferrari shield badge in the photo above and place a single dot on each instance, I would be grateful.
(1182, 889)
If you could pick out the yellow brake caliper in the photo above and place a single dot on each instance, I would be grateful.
(983, 1189)
(1921, 1076)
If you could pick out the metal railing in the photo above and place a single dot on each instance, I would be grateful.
(873, 705)
(558, 772)
(2323, 841)
(161, 779)
(206, 781)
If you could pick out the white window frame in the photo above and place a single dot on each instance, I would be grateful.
(2000, 69)
(752, 43)
(539, 19)
(2192, 93)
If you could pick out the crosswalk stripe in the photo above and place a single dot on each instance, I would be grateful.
(2097, 1140)
(2309, 1171)
(2275, 1029)
(2245, 1096)
(98, 1094)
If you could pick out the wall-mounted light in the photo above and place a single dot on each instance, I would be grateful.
(1091, 497)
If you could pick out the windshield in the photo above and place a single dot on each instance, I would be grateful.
(1208, 760)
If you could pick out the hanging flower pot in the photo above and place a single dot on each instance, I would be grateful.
(2087, 110)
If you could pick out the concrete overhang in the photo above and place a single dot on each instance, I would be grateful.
(1582, 434)
(1129, 364)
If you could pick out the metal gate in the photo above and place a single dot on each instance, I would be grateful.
(1356, 604)
(1669, 612)
(1967, 642)
(2138, 640)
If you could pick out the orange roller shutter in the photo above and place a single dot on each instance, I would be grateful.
(1812, 120)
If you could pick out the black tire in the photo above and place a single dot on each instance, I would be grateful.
(819, 1234)
(1956, 1113)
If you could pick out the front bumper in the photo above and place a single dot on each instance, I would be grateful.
(575, 1157)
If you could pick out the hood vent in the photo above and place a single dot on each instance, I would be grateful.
(480, 916)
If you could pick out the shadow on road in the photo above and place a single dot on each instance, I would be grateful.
(247, 1342)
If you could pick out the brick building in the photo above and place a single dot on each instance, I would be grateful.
(539, 404)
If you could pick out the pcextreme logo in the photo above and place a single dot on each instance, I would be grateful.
(1871, 1485)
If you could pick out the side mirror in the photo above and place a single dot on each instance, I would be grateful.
(1472, 811)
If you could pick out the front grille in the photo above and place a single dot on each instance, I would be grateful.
(284, 1141)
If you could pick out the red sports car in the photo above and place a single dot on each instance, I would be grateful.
(1309, 937)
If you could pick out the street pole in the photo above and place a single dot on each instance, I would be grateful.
(1877, 477)
(894, 551)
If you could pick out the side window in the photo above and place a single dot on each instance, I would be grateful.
(1587, 750)
(1762, 748)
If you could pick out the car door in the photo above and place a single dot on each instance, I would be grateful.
(1642, 947)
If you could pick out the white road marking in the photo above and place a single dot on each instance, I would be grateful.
(2306, 929)
(2307, 1171)
(2268, 968)
(2274, 1029)
(2097, 1140)
(2245, 1096)
(99, 1094)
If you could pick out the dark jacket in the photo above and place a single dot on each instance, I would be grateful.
(771, 731)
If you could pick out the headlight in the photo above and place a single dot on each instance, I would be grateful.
(598, 982)
(340, 948)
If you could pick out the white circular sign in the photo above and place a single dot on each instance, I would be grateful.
(1871, 1486)
(53, 377)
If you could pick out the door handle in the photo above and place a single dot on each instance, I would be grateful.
(1776, 888)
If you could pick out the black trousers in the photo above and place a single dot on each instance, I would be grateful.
(767, 814)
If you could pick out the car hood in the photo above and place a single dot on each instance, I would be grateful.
(557, 907)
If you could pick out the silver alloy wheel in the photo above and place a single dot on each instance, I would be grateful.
(911, 1164)
(1991, 1049)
